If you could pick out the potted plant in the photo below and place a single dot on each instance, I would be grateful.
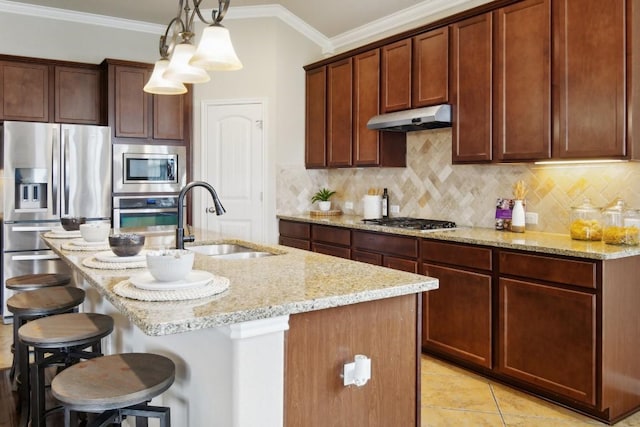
(322, 197)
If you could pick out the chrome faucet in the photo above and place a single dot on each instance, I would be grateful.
(180, 237)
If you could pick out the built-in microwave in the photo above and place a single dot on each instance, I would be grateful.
(147, 168)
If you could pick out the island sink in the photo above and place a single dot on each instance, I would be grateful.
(229, 251)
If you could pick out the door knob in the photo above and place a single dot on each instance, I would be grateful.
(211, 210)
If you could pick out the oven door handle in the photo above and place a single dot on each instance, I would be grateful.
(128, 211)
(33, 257)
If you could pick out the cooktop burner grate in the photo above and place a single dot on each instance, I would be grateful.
(411, 223)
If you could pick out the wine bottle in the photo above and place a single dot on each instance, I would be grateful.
(385, 204)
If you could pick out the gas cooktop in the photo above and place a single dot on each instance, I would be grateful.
(411, 223)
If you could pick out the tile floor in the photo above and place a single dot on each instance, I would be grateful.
(454, 397)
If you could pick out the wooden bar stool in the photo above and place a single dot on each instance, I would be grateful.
(30, 305)
(115, 386)
(61, 340)
(31, 282)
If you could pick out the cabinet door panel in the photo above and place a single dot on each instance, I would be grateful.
(292, 242)
(77, 95)
(589, 78)
(471, 89)
(339, 99)
(328, 234)
(368, 257)
(430, 79)
(316, 114)
(456, 254)
(168, 117)
(548, 338)
(457, 315)
(131, 102)
(366, 104)
(387, 244)
(400, 264)
(522, 108)
(24, 91)
(558, 270)
(396, 76)
(300, 230)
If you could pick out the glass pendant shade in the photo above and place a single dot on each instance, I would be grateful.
(215, 51)
(180, 70)
(159, 85)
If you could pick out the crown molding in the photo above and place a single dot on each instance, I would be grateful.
(79, 17)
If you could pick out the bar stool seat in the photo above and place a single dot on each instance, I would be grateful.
(60, 340)
(31, 282)
(115, 386)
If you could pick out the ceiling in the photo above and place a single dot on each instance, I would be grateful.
(329, 17)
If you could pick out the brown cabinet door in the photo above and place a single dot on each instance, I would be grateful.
(131, 102)
(339, 111)
(24, 91)
(396, 76)
(471, 89)
(168, 117)
(333, 235)
(77, 95)
(366, 104)
(522, 86)
(457, 315)
(589, 78)
(315, 116)
(299, 230)
(547, 338)
(430, 79)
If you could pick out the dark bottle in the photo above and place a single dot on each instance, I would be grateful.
(385, 204)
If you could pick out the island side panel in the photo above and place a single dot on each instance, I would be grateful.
(319, 343)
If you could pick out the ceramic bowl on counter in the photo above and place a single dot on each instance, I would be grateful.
(128, 244)
(94, 231)
(170, 265)
(72, 223)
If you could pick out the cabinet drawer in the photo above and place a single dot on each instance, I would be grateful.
(368, 257)
(400, 264)
(324, 233)
(292, 242)
(298, 230)
(461, 255)
(558, 270)
(386, 244)
(331, 250)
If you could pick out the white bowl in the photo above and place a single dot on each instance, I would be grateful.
(170, 265)
(94, 231)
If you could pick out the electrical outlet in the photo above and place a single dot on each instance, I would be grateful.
(348, 205)
(531, 218)
(394, 209)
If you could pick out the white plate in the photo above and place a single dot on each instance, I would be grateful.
(194, 279)
(83, 243)
(109, 256)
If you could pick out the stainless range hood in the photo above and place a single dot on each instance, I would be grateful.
(437, 116)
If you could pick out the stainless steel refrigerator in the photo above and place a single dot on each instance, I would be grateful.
(48, 170)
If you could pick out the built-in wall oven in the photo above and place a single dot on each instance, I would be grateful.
(155, 213)
(147, 168)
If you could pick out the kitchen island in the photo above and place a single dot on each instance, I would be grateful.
(285, 327)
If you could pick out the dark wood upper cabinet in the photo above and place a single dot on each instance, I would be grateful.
(589, 78)
(24, 91)
(396, 76)
(131, 103)
(78, 97)
(168, 120)
(366, 104)
(522, 84)
(471, 89)
(315, 118)
(339, 113)
(430, 77)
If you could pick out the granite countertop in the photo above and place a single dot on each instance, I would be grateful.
(532, 241)
(293, 281)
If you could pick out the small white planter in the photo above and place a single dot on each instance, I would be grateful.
(324, 206)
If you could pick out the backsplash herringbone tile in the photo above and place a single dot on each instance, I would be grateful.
(431, 187)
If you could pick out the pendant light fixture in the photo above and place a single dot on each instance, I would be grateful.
(181, 62)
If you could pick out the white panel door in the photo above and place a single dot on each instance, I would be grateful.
(232, 161)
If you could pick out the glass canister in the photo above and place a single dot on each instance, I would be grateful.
(621, 225)
(586, 222)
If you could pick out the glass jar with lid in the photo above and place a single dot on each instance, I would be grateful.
(586, 222)
(621, 225)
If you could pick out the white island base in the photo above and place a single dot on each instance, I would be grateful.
(227, 376)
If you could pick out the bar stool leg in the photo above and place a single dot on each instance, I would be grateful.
(23, 382)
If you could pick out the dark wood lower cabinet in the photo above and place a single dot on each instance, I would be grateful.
(319, 343)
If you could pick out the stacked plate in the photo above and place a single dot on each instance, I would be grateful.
(61, 233)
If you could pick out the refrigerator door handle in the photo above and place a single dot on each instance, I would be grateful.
(65, 171)
(54, 174)
(35, 228)
(33, 257)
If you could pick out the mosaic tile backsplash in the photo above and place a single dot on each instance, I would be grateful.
(431, 187)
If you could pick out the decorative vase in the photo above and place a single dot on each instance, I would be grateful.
(517, 217)
(324, 205)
